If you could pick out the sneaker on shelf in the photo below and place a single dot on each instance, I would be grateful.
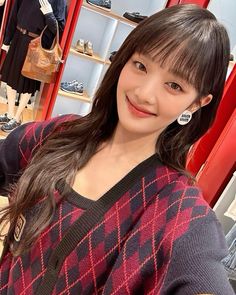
(103, 4)
(134, 16)
(4, 118)
(112, 56)
(65, 83)
(75, 88)
(11, 125)
(80, 46)
(88, 48)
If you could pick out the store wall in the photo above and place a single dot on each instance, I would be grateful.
(225, 11)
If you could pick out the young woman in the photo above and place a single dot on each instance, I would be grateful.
(102, 204)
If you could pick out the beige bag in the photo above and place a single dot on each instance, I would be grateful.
(42, 64)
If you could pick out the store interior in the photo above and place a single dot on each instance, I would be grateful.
(90, 39)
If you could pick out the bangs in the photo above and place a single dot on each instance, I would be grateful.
(186, 58)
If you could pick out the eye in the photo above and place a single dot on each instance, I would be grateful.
(139, 66)
(174, 86)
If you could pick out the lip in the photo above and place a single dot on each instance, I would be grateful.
(137, 111)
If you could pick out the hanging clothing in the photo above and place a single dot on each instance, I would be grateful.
(155, 234)
(26, 14)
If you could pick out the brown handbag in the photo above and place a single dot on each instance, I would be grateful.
(42, 64)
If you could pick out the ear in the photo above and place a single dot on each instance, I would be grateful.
(205, 100)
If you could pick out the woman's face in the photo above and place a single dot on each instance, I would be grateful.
(150, 97)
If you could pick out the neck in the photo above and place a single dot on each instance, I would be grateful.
(127, 145)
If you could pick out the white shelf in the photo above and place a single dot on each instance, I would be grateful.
(109, 14)
(83, 97)
(95, 57)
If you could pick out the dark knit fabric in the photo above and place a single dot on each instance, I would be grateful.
(155, 234)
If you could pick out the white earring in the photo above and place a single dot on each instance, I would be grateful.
(184, 118)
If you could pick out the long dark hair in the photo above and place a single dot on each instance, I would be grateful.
(197, 47)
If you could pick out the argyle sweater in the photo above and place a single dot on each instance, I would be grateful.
(152, 233)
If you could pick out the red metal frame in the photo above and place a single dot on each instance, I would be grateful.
(49, 93)
(8, 5)
(220, 164)
(202, 3)
(203, 147)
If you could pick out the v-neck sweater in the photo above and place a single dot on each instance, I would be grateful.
(153, 233)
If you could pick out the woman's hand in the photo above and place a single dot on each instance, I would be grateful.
(45, 6)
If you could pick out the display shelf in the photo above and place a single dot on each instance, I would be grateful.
(100, 32)
(83, 97)
(107, 62)
(95, 57)
(110, 14)
(119, 36)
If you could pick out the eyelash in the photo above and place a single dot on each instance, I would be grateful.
(174, 89)
(137, 64)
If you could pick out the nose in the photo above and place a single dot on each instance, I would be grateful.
(146, 91)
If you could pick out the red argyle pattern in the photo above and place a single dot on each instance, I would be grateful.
(34, 135)
(23, 274)
(127, 252)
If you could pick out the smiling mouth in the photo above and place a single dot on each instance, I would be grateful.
(139, 110)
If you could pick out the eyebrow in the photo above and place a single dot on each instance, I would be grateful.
(170, 71)
(179, 76)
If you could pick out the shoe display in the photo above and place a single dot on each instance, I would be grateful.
(75, 88)
(103, 4)
(11, 125)
(112, 55)
(4, 118)
(80, 46)
(68, 83)
(88, 48)
(134, 16)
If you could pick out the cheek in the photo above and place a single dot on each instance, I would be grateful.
(122, 84)
(127, 78)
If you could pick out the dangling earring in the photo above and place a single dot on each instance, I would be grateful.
(184, 118)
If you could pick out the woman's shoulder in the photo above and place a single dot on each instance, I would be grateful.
(180, 199)
(177, 183)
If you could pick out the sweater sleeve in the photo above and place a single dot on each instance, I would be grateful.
(174, 248)
(196, 266)
(21, 144)
(58, 16)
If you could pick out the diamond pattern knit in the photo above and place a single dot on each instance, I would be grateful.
(150, 216)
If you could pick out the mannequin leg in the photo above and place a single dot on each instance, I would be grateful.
(11, 96)
(24, 98)
(15, 121)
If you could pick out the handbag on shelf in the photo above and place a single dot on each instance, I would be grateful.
(42, 64)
